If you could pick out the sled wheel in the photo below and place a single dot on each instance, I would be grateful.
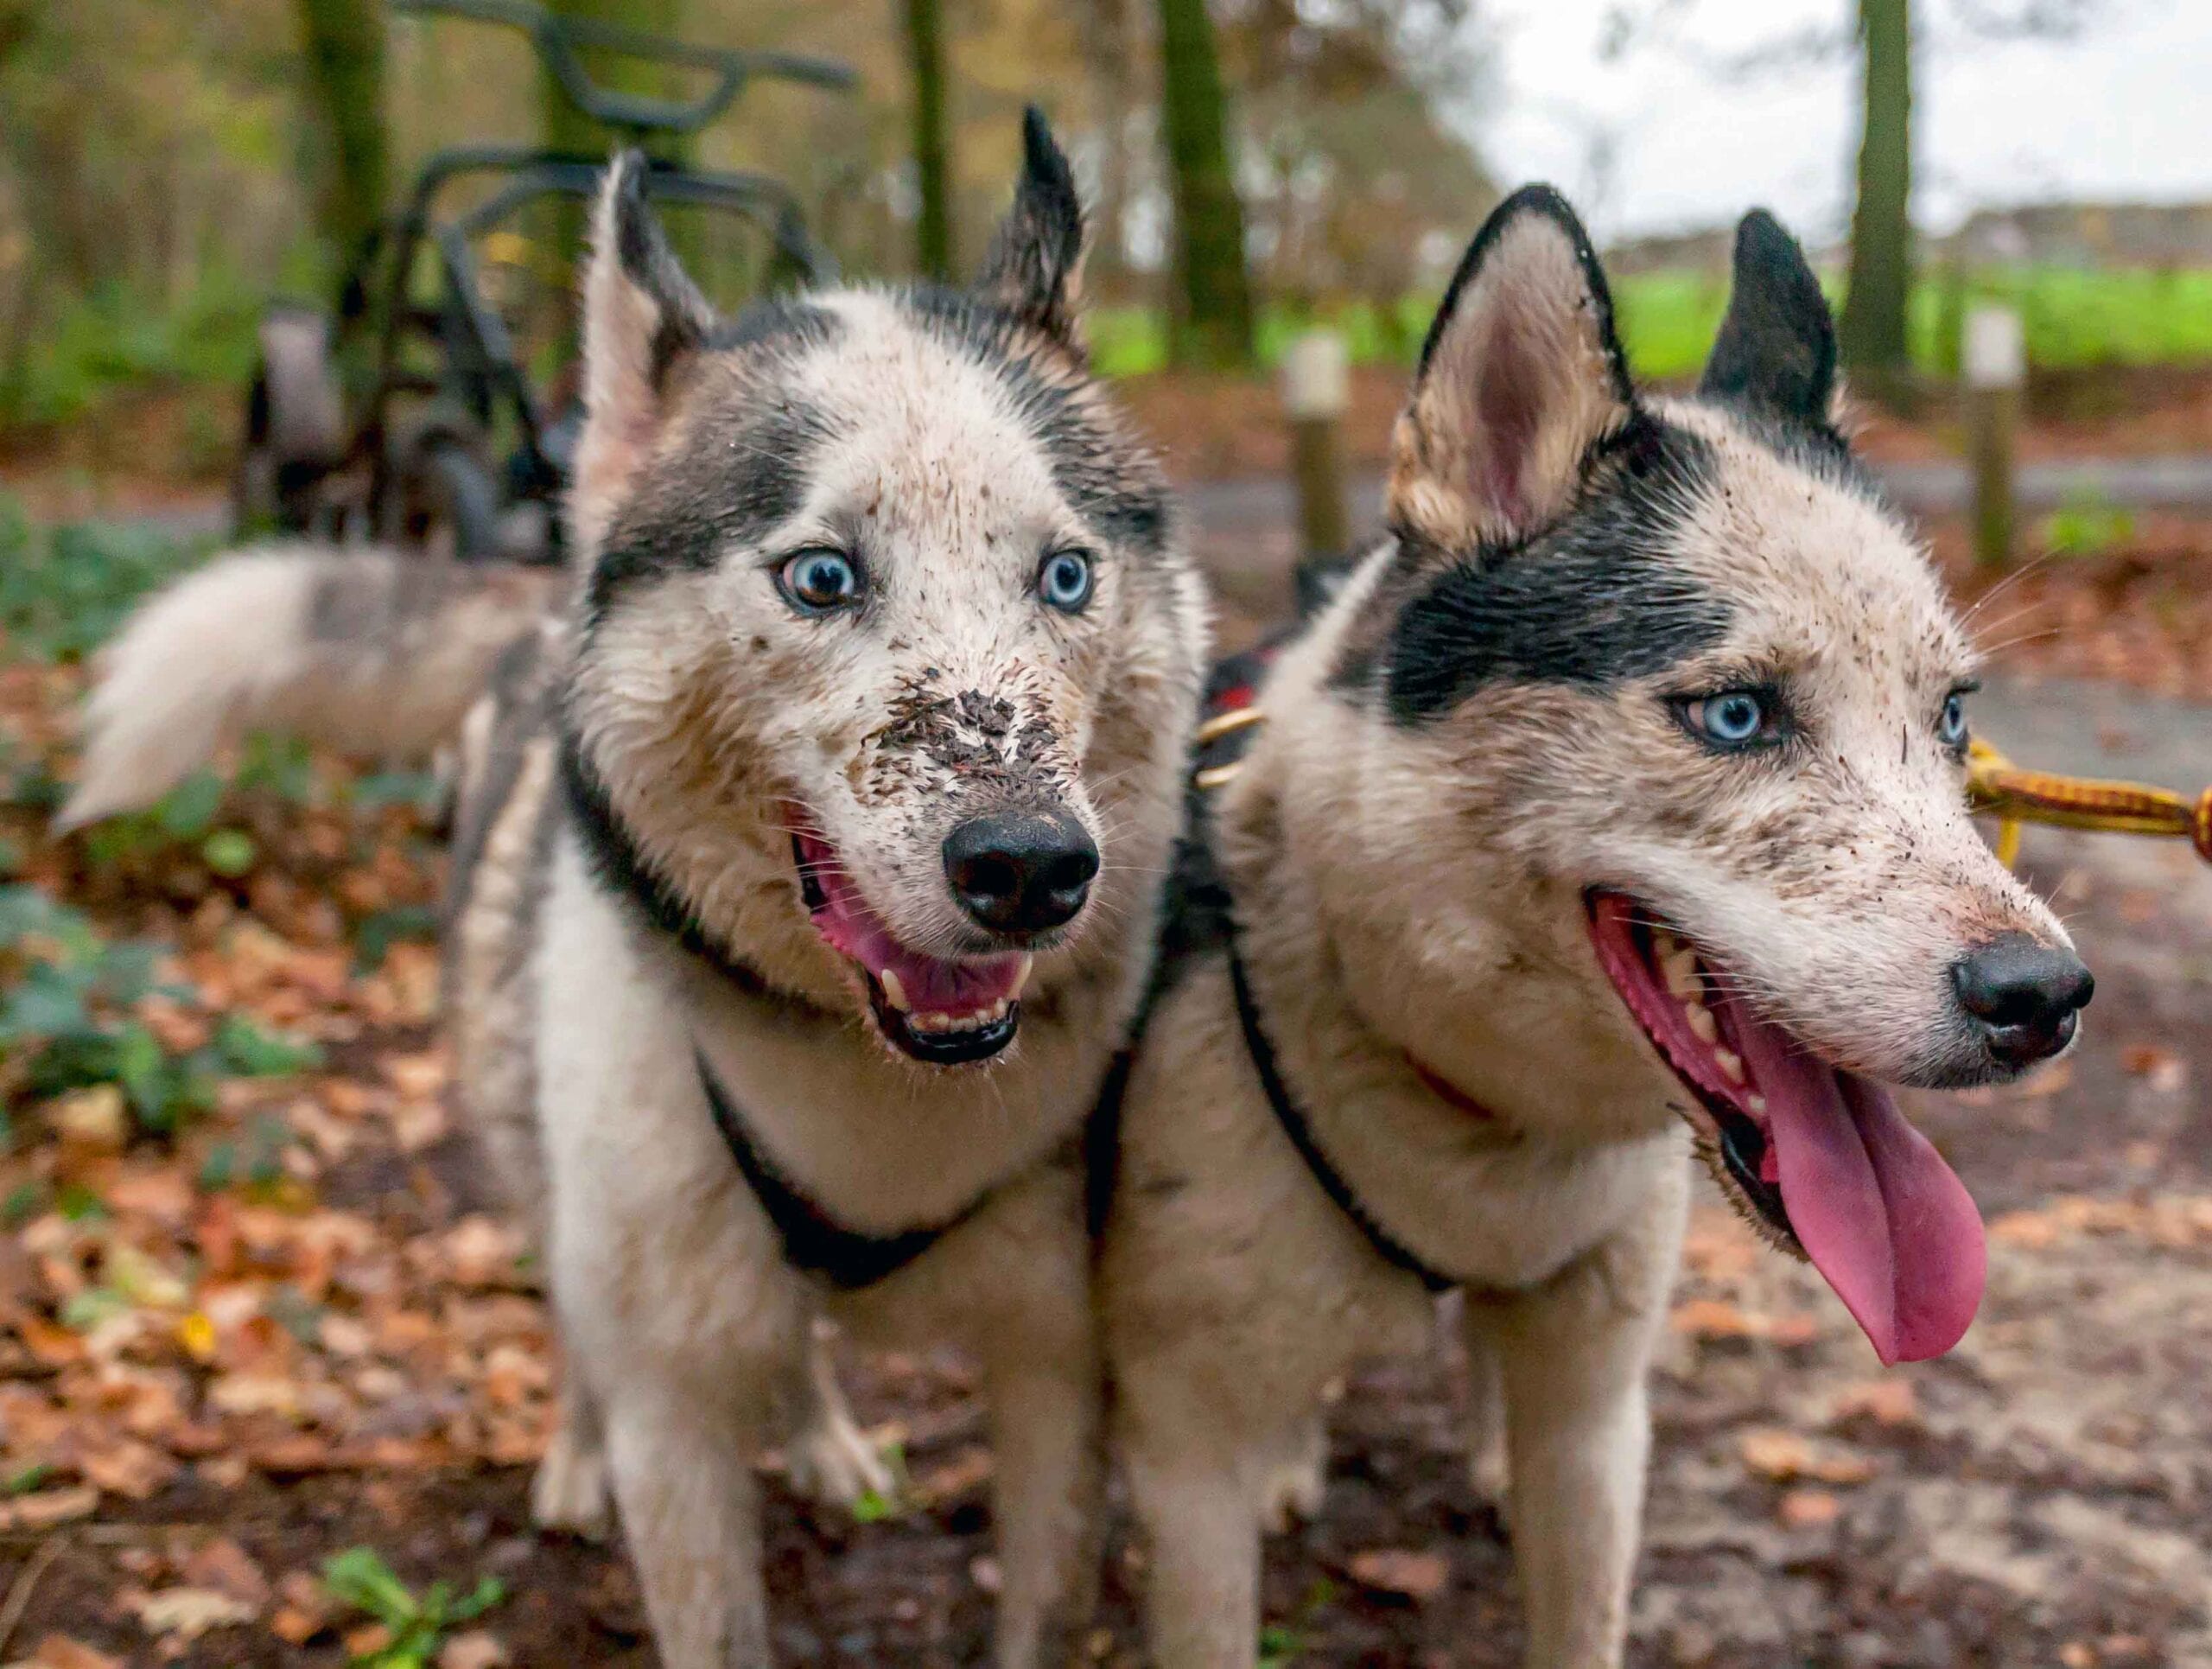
(449, 492)
(294, 426)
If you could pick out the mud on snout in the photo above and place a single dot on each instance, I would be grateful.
(961, 846)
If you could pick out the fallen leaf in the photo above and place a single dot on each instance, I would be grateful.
(1717, 1318)
(187, 1612)
(225, 1566)
(1810, 1509)
(2047, 1083)
(127, 1468)
(1783, 1456)
(60, 1652)
(1402, 1571)
(49, 1507)
(98, 1118)
(1888, 1402)
(478, 1649)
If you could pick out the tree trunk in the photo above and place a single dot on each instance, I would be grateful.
(1872, 333)
(1214, 323)
(346, 60)
(925, 50)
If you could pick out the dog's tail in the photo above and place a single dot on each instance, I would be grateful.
(371, 652)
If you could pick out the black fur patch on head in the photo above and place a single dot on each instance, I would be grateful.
(1776, 352)
(745, 473)
(1108, 478)
(1591, 601)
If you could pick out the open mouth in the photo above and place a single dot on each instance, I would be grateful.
(1820, 1157)
(939, 1011)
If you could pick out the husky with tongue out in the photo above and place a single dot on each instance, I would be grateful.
(1617, 796)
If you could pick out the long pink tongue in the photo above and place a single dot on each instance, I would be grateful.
(1886, 1222)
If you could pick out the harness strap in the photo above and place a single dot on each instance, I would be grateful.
(1391, 1250)
(813, 1240)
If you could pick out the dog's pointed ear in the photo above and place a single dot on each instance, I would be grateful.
(1776, 347)
(1522, 374)
(642, 319)
(1035, 268)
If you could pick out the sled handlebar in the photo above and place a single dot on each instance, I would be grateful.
(561, 41)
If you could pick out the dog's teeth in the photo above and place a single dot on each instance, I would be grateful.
(1021, 975)
(1757, 1104)
(1679, 968)
(1703, 1026)
(931, 1022)
(995, 1013)
(1730, 1064)
(893, 992)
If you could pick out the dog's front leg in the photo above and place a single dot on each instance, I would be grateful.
(1041, 1379)
(690, 1507)
(1575, 1356)
(1195, 1481)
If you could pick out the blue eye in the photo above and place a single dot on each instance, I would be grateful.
(1731, 718)
(1951, 729)
(818, 580)
(1066, 580)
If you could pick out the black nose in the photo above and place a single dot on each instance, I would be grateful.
(1021, 872)
(2026, 996)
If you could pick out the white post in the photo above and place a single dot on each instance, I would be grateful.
(1315, 390)
(1993, 364)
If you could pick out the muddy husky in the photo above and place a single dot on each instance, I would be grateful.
(806, 876)
(1613, 805)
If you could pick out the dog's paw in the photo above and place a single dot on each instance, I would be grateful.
(832, 1462)
(1297, 1482)
(570, 1495)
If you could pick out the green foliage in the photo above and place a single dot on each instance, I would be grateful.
(65, 1018)
(117, 338)
(1281, 1644)
(64, 591)
(358, 1578)
(2076, 320)
(2089, 525)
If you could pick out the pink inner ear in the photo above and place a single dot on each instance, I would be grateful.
(1507, 416)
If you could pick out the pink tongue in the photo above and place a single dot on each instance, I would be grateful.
(1886, 1222)
(848, 927)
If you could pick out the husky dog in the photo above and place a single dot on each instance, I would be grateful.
(806, 877)
(1617, 793)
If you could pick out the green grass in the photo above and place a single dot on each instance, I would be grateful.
(2075, 319)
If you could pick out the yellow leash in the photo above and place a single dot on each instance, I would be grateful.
(2013, 796)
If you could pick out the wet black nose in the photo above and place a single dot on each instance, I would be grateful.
(1023, 872)
(2025, 995)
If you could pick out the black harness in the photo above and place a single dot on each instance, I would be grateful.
(1208, 921)
(813, 1240)
(1296, 1126)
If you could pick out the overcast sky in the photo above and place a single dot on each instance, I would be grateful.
(2121, 113)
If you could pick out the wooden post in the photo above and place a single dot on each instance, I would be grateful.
(1316, 389)
(1994, 360)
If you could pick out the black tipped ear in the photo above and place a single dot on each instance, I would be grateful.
(1035, 265)
(1522, 374)
(1776, 347)
(642, 317)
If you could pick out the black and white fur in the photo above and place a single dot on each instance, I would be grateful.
(634, 907)
(1483, 725)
